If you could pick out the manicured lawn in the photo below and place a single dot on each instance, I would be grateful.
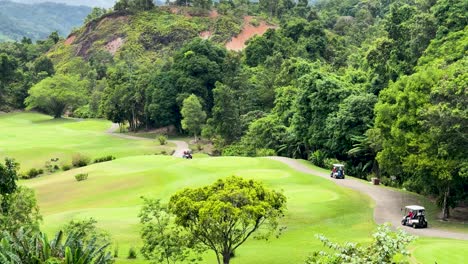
(32, 139)
(432, 250)
(113, 190)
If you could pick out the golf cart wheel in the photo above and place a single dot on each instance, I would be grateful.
(414, 225)
(425, 225)
(403, 222)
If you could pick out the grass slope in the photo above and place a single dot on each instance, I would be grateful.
(113, 190)
(32, 139)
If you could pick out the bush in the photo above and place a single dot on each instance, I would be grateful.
(32, 173)
(81, 176)
(132, 253)
(329, 163)
(66, 167)
(318, 158)
(79, 160)
(199, 147)
(163, 152)
(264, 152)
(162, 139)
(104, 159)
(254, 22)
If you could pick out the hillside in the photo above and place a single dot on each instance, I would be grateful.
(158, 32)
(37, 21)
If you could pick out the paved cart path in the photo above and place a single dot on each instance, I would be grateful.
(179, 149)
(388, 202)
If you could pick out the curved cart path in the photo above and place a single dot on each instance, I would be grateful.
(388, 202)
(180, 145)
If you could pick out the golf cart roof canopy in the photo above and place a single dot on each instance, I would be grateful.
(338, 165)
(414, 207)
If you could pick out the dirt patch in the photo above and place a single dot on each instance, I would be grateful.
(104, 29)
(113, 46)
(70, 40)
(248, 31)
(214, 13)
(205, 34)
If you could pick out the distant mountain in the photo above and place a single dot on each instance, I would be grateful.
(37, 21)
(91, 3)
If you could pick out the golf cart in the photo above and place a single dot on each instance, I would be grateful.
(187, 154)
(337, 171)
(414, 216)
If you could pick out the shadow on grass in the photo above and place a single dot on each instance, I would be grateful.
(57, 121)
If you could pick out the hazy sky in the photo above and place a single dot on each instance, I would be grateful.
(92, 3)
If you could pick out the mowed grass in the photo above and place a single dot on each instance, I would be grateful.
(112, 196)
(33, 138)
(433, 250)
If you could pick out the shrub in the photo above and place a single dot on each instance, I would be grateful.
(254, 22)
(329, 163)
(264, 152)
(79, 160)
(162, 139)
(199, 147)
(163, 152)
(66, 167)
(132, 253)
(81, 176)
(317, 158)
(104, 159)
(32, 173)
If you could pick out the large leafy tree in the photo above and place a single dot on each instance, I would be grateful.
(56, 94)
(193, 116)
(320, 95)
(427, 149)
(226, 119)
(222, 216)
(8, 178)
(18, 204)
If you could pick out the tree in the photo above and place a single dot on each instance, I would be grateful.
(18, 204)
(97, 12)
(44, 64)
(164, 242)
(222, 216)
(427, 149)
(23, 211)
(8, 177)
(226, 119)
(56, 94)
(385, 246)
(193, 116)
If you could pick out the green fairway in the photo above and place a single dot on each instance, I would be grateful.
(32, 139)
(432, 250)
(112, 192)
(112, 196)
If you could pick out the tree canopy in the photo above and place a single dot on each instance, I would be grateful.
(222, 216)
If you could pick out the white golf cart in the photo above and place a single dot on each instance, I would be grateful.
(337, 171)
(414, 216)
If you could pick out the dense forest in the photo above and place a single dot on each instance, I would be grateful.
(37, 21)
(379, 85)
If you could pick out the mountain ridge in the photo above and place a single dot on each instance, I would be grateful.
(37, 21)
